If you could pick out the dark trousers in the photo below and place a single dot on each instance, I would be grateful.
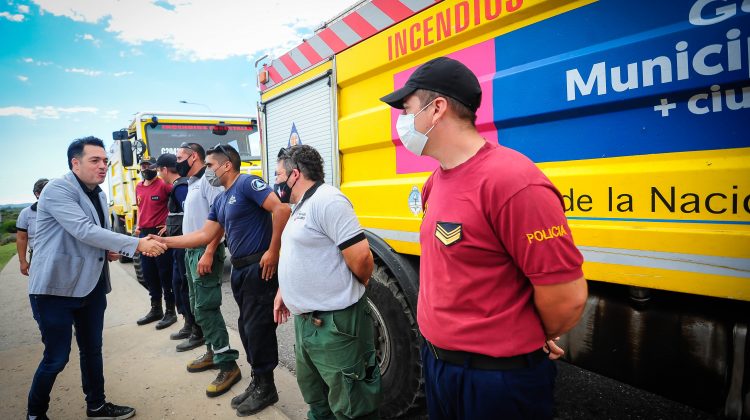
(460, 392)
(255, 297)
(55, 316)
(157, 272)
(180, 286)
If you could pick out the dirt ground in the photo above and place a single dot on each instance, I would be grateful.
(141, 367)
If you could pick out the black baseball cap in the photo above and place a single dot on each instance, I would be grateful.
(167, 160)
(445, 76)
(149, 161)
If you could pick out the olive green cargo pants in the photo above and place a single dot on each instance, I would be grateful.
(205, 302)
(336, 367)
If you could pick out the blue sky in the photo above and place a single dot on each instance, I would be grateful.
(72, 68)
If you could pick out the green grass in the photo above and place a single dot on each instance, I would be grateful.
(6, 251)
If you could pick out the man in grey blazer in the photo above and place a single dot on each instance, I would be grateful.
(69, 278)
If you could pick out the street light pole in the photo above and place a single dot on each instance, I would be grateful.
(196, 103)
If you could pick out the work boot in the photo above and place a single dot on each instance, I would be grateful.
(195, 340)
(183, 333)
(154, 314)
(236, 401)
(204, 362)
(170, 317)
(228, 375)
(261, 396)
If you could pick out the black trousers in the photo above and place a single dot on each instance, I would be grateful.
(180, 286)
(157, 271)
(255, 297)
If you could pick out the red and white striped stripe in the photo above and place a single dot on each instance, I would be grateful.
(362, 22)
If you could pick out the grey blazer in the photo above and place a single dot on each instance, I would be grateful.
(70, 243)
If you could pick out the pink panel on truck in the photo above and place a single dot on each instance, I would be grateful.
(480, 58)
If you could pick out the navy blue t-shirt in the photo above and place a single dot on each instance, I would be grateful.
(180, 192)
(239, 211)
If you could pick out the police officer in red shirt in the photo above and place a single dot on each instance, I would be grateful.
(500, 276)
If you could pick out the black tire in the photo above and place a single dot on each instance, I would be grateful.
(397, 344)
(138, 269)
(119, 228)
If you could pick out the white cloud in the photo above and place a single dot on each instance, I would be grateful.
(204, 29)
(23, 9)
(23, 78)
(90, 38)
(48, 112)
(122, 73)
(133, 52)
(85, 72)
(38, 63)
(111, 115)
(12, 17)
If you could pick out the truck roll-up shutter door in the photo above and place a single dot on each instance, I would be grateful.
(307, 111)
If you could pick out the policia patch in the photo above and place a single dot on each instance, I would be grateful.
(448, 233)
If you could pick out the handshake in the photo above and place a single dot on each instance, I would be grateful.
(151, 246)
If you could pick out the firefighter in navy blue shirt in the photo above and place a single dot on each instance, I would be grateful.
(253, 219)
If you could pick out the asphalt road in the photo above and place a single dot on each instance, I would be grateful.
(579, 394)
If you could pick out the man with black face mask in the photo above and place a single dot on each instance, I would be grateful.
(253, 219)
(152, 195)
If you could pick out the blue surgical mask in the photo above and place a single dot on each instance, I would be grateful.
(413, 140)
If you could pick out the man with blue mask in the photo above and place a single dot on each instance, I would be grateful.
(493, 294)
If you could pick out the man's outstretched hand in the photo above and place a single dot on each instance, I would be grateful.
(151, 247)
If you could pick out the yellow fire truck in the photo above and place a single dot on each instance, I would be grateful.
(153, 133)
(636, 110)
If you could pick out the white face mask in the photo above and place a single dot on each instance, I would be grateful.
(413, 140)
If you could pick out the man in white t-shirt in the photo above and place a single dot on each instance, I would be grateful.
(324, 267)
(26, 228)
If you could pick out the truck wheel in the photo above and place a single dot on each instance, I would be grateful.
(138, 269)
(397, 344)
(119, 228)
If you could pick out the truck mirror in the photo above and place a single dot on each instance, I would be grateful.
(126, 152)
(120, 135)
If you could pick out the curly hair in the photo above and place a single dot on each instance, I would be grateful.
(306, 159)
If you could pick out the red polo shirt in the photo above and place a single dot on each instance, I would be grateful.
(152, 203)
(493, 227)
